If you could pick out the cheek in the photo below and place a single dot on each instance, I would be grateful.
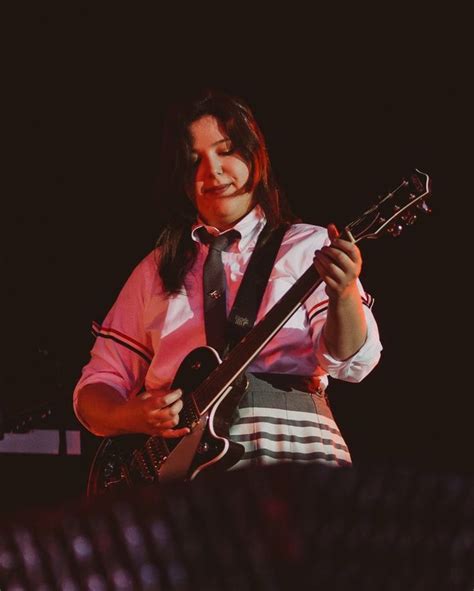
(197, 189)
(194, 186)
(193, 190)
(241, 171)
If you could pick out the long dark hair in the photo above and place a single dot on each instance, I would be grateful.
(177, 251)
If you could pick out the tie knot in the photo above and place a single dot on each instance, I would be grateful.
(220, 242)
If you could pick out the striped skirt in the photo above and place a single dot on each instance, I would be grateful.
(287, 418)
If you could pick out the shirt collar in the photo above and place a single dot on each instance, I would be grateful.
(249, 227)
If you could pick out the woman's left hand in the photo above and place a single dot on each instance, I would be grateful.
(339, 265)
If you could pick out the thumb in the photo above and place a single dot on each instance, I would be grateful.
(332, 232)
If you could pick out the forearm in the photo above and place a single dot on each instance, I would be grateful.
(103, 410)
(345, 330)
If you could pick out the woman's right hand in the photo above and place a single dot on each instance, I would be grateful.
(155, 413)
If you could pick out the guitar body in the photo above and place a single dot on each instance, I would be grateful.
(130, 460)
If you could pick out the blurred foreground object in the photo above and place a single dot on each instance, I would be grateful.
(332, 528)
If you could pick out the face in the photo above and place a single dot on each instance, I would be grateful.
(219, 176)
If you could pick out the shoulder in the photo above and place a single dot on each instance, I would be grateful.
(147, 264)
(298, 246)
(307, 234)
(150, 260)
(145, 273)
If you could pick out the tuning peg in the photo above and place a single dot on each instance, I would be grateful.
(395, 230)
(423, 206)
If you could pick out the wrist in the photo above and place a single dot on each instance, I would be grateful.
(342, 298)
(121, 417)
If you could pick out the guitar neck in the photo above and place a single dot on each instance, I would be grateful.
(397, 208)
(256, 339)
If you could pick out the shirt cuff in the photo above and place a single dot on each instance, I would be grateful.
(356, 367)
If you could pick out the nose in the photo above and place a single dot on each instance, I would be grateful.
(213, 166)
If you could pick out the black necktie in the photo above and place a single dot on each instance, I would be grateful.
(214, 284)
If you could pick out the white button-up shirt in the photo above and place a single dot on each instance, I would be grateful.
(147, 333)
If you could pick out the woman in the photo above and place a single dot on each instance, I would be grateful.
(216, 174)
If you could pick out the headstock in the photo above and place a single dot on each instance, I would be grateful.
(395, 210)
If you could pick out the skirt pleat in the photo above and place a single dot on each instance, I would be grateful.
(287, 418)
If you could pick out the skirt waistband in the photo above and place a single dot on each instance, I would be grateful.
(287, 382)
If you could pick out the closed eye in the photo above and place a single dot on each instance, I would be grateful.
(196, 160)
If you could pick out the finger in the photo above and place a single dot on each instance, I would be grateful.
(163, 400)
(168, 423)
(332, 283)
(323, 260)
(332, 232)
(348, 248)
(333, 256)
(167, 413)
(328, 269)
(175, 408)
(173, 433)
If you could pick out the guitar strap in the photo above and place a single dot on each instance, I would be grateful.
(249, 297)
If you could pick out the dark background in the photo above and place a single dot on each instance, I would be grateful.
(347, 111)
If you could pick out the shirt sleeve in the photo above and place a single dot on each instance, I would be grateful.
(357, 367)
(122, 351)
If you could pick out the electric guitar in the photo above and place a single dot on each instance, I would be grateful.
(212, 388)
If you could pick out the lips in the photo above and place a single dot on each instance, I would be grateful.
(217, 189)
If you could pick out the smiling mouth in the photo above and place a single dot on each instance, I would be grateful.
(217, 190)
